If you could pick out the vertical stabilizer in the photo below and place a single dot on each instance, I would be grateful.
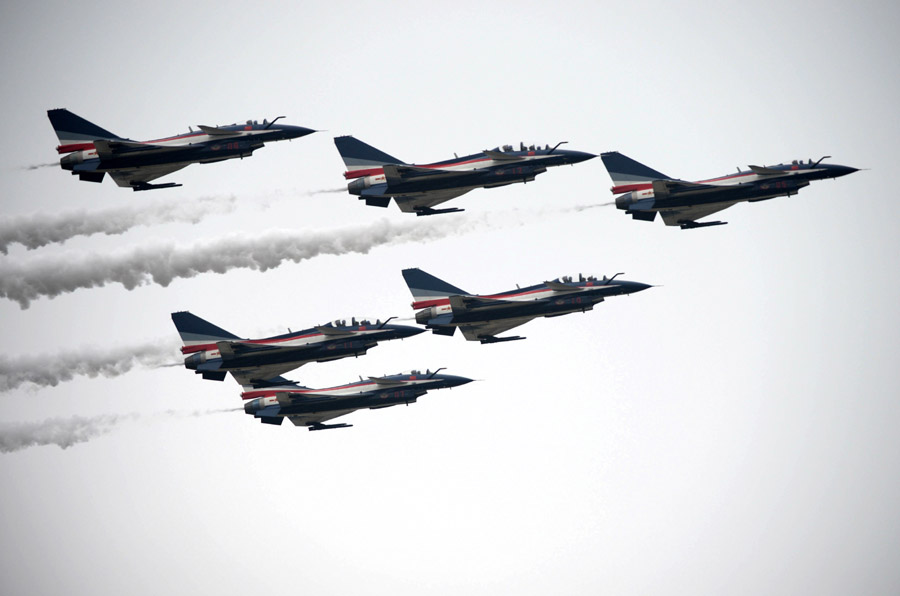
(74, 132)
(625, 171)
(196, 331)
(425, 286)
(360, 156)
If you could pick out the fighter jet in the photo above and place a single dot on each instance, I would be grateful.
(213, 352)
(93, 152)
(445, 307)
(681, 203)
(273, 401)
(378, 177)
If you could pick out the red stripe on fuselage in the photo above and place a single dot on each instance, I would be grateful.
(362, 173)
(74, 147)
(649, 185)
(275, 391)
(442, 301)
(435, 166)
(631, 187)
(205, 347)
(427, 303)
(177, 137)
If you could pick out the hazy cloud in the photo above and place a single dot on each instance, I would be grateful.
(162, 263)
(49, 370)
(36, 230)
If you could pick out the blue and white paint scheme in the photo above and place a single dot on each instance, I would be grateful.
(378, 177)
(213, 352)
(648, 192)
(443, 307)
(272, 401)
(92, 152)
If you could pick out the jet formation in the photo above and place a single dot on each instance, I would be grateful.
(444, 308)
(92, 152)
(378, 177)
(273, 401)
(213, 352)
(648, 192)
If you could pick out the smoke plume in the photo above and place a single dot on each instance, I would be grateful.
(37, 230)
(49, 370)
(164, 262)
(65, 432)
(38, 166)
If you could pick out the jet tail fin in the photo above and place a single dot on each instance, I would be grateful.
(425, 287)
(360, 156)
(627, 173)
(74, 132)
(195, 331)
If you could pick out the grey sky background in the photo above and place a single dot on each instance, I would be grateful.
(734, 430)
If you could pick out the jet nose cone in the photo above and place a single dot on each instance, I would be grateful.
(411, 331)
(579, 156)
(455, 381)
(294, 132)
(636, 286)
(838, 171)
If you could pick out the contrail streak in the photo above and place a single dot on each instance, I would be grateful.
(579, 208)
(164, 262)
(38, 166)
(324, 191)
(65, 432)
(37, 230)
(49, 370)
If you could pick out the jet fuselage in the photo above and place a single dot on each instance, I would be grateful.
(646, 192)
(319, 344)
(478, 170)
(272, 404)
(91, 151)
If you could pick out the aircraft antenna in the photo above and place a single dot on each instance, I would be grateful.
(556, 146)
(272, 122)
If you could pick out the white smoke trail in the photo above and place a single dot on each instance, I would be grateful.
(162, 263)
(65, 432)
(49, 370)
(38, 166)
(37, 230)
(580, 208)
(325, 191)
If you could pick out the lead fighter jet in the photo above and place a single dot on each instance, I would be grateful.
(276, 399)
(682, 203)
(445, 307)
(93, 152)
(378, 177)
(213, 352)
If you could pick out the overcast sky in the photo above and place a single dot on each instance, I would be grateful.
(731, 431)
